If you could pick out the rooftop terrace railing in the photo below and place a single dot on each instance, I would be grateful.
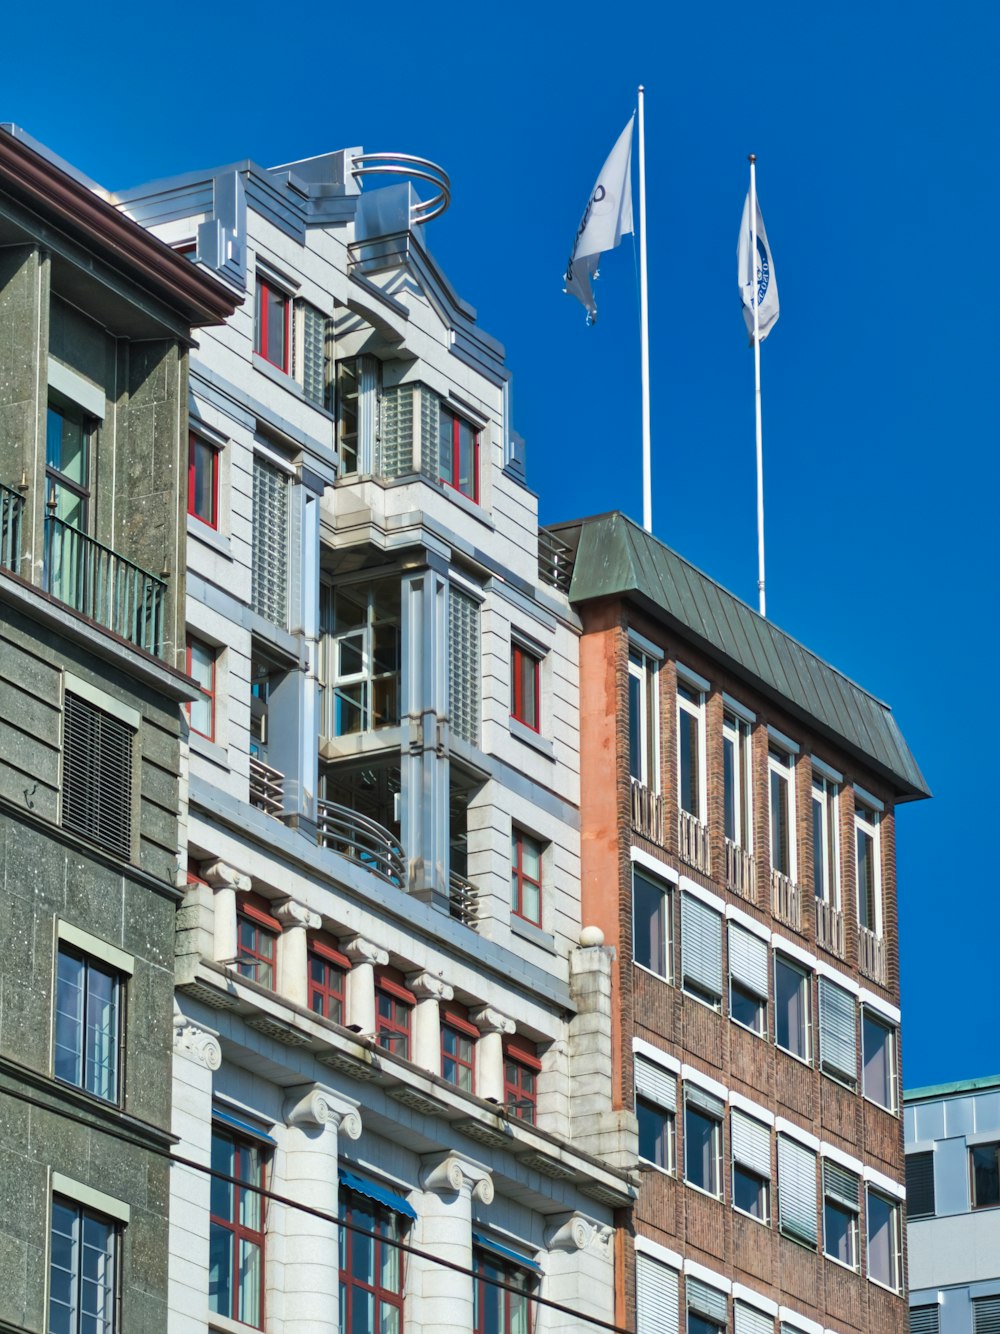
(353, 835)
(555, 561)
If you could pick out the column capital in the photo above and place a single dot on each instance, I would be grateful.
(197, 1044)
(428, 986)
(315, 1105)
(452, 1173)
(574, 1232)
(291, 914)
(220, 875)
(488, 1020)
(359, 950)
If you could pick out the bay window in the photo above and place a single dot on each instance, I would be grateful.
(361, 628)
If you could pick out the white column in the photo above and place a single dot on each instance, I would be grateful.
(444, 1231)
(360, 997)
(430, 991)
(293, 950)
(493, 1026)
(226, 883)
(579, 1273)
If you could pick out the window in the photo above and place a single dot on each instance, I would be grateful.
(314, 338)
(866, 829)
(652, 939)
(89, 1002)
(656, 1111)
(838, 1038)
(748, 979)
(526, 877)
(792, 1007)
(926, 1319)
(884, 1254)
(269, 583)
(797, 1191)
(203, 480)
(701, 951)
(826, 842)
(67, 467)
(201, 667)
(393, 1012)
(657, 1296)
(691, 749)
(751, 1145)
(83, 1283)
(643, 719)
(524, 692)
(458, 453)
(361, 627)
(781, 776)
(703, 1140)
(371, 1267)
(463, 664)
(458, 1049)
(256, 934)
(328, 970)
(498, 1310)
(236, 1230)
(920, 1185)
(272, 323)
(841, 1190)
(521, 1067)
(879, 1058)
(737, 780)
(97, 784)
(348, 414)
(707, 1308)
(984, 1170)
(751, 1320)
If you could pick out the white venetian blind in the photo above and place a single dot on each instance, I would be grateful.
(701, 945)
(748, 959)
(657, 1297)
(656, 1084)
(748, 1320)
(797, 1190)
(751, 1143)
(838, 1045)
(706, 1300)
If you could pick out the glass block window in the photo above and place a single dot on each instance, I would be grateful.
(269, 596)
(463, 664)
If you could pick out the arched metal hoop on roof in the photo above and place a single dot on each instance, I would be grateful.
(417, 168)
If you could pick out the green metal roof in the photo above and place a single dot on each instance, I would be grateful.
(932, 1091)
(614, 557)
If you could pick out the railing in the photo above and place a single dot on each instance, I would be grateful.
(11, 505)
(692, 841)
(267, 788)
(830, 928)
(871, 955)
(741, 871)
(352, 835)
(647, 812)
(555, 560)
(786, 900)
(104, 586)
(464, 899)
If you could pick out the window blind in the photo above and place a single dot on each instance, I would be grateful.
(748, 960)
(707, 1301)
(701, 945)
(838, 1043)
(657, 1290)
(748, 1320)
(98, 754)
(797, 1190)
(704, 1101)
(840, 1184)
(920, 1185)
(751, 1143)
(656, 1084)
(986, 1315)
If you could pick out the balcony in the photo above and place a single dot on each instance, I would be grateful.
(786, 900)
(692, 842)
(741, 871)
(830, 928)
(103, 586)
(647, 813)
(464, 899)
(555, 561)
(353, 835)
(871, 956)
(11, 505)
(267, 788)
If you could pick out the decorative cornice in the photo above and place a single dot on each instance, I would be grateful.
(220, 875)
(359, 951)
(291, 915)
(428, 986)
(488, 1020)
(314, 1105)
(197, 1044)
(451, 1173)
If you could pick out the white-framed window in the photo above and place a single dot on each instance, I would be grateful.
(838, 1040)
(657, 1295)
(83, 1269)
(748, 968)
(691, 746)
(703, 1115)
(361, 653)
(879, 1065)
(885, 1259)
(643, 718)
(701, 951)
(751, 1148)
(781, 790)
(707, 1307)
(841, 1210)
(656, 1112)
(89, 1022)
(792, 1007)
(866, 833)
(737, 780)
(826, 839)
(797, 1191)
(652, 934)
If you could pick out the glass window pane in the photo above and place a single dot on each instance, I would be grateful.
(649, 923)
(69, 1019)
(102, 1033)
(690, 790)
(749, 1192)
(220, 1269)
(779, 824)
(985, 1176)
(277, 307)
(221, 1203)
(729, 788)
(881, 1240)
(701, 1153)
(250, 1281)
(791, 1012)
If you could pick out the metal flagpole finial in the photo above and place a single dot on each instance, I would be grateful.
(751, 157)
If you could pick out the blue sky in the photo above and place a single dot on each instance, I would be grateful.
(875, 128)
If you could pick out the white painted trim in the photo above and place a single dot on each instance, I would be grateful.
(884, 1007)
(662, 869)
(91, 1198)
(801, 1322)
(741, 1293)
(100, 700)
(79, 390)
(705, 895)
(854, 1165)
(839, 979)
(873, 1177)
(869, 798)
(789, 1128)
(262, 267)
(826, 770)
(95, 947)
(692, 1076)
(642, 1048)
(709, 1276)
(529, 643)
(742, 1104)
(734, 914)
(693, 678)
(474, 590)
(740, 710)
(646, 646)
(646, 1246)
(785, 742)
(793, 951)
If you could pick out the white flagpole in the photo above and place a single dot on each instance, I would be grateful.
(756, 371)
(647, 492)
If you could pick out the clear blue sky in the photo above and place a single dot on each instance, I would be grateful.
(875, 127)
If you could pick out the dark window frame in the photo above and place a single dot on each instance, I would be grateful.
(394, 1026)
(519, 876)
(266, 287)
(525, 670)
(458, 1048)
(90, 964)
(327, 979)
(510, 1273)
(252, 960)
(388, 1225)
(199, 447)
(207, 693)
(981, 1174)
(452, 475)
(520, 1098)
(239, 1232)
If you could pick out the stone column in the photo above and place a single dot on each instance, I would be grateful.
(493, 1026)
(226, 883)
(306, 1171)
(293, 950)
(430, 991)
(579, 1270)
(444, 1230)
(360, 998)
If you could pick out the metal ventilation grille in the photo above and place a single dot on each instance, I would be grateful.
(920, 1185)
(463, 664)
(97, 775)
(926, 1319)
(986, 1315)
(270, 541)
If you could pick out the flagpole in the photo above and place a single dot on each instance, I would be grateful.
(647, 491)
(756, 370)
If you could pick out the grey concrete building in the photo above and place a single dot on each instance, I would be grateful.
(95, 326)
(953, 1206)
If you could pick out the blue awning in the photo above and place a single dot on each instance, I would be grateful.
(488, 1244)
(380, 1194)
(244, 1127)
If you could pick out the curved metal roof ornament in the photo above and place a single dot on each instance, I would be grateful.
(416, 168)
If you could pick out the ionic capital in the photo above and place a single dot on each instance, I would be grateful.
(197, 1044)
(428, 986)
(452, 1173)
(291, 914)
(488, 1020)
(220, 875)
(572, 1232)
(315, 1105)
(360, 951)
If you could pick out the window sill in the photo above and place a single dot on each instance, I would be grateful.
(802, 1060)
(744, 1213)
(811, 1246)
(281, 377)
(660, 977)
(208, 750)
(208, 536)
(224, 1324)
(889, 1111)
(646, 1166)
(528, 931)
(702, 1191)
(835, 1078)
(841, 1264)
(757, 1033)
(529, 737)
(884, 1286)
(714, 1006)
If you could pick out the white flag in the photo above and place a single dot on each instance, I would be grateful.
(606, 219)
(762, 274)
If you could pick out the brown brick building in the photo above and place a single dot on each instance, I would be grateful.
(738, 852)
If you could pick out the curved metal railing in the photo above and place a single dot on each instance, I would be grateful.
(418, 168)
(353, 835)
(463, 898)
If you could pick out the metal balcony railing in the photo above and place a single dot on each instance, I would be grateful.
(786, 900)
(830, 928)
(692, 841)
(647, 812)
(99, 583)
(464, 899)
(741, 871)
(555, 561)
(871, 956)
(11, 505)
(267, 787)
(353, 835)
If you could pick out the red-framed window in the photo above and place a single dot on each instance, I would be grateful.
(526, 877)
(520, 1078)
(236, 1229)
(525, 699)
(203, 480)
(458, 1048)
(256, 935)
(497, 1310)
(328, 970)
(458, 445)
(201, 668)
(393, 1012)
(272, 323)
(371, 1268)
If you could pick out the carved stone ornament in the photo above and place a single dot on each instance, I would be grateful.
(291, 914)
(220, 875)
(428, 986)
(452, 1174)
(572, 1232)
(488, 1020)
(360, 951)
(198, 1044)
(314, 1105)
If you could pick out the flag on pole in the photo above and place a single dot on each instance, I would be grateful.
(762, 274)
(606, 219)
